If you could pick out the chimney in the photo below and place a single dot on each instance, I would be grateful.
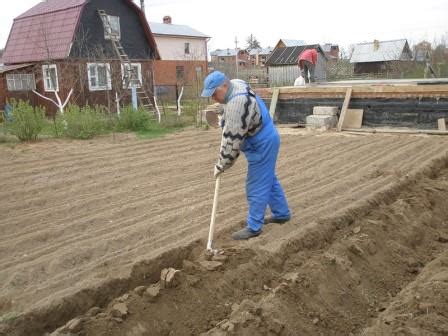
(142, 5)
(376, 45)
(167, 19)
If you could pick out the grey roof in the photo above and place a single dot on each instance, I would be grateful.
(223, 52)
(290, 55)
(387, 51)
(293, 43)
(174, 30)
(261, 51)
(232, 52)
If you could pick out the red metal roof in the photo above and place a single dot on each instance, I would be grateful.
(46, 31)
(50, 6)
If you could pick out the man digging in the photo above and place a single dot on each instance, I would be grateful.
(247, 127)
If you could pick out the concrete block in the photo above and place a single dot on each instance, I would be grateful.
(353, 118)
(321, 121)
(442, 124)
(326, 110)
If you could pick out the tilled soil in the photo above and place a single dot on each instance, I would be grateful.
(84, 223)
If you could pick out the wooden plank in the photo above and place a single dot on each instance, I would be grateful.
(353, 118)
(384, 91)
(348, 95)
(396, 131)
(442, 124)
(274, 102)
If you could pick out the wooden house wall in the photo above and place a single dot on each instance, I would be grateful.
(22, 95)
(90, 42)
(381, 67)
(370, 67)
(73, 74)
(2, 91)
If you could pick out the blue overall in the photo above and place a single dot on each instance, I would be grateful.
(262, 185)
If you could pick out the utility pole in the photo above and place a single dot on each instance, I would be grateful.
(236, 56)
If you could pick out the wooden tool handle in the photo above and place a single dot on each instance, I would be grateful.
(212, 220)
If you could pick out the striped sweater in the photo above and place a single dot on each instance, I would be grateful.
(241, 118)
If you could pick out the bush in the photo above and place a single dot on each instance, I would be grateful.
(133, 120)
(27, 122)
(83, 122)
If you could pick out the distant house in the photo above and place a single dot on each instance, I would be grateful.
(228, 57)
(89, 45)
(422, 52)
(259, 56)
(283, 65)
(380, 56)
(331, 51)
(183, 51)
(283, 43)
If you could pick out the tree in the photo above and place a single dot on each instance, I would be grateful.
(1, 52)
(252, 43)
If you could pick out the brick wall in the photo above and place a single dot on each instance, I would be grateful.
(167, 72)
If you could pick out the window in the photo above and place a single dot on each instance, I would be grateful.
(20, 82)
(187, 48)
(111, 27)
(50, 76)
(180, 73)
(135, 77)
(99, 76)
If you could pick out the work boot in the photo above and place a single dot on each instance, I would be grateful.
(270, 220)
(245, 234)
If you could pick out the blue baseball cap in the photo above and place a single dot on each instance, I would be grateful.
(211, 82)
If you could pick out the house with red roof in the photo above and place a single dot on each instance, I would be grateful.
(90, 46)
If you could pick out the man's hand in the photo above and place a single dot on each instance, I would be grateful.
(217, 172)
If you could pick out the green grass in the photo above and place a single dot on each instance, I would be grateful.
(157, 131)
(87, 122)
(6, 138)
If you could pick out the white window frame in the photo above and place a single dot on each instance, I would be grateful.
(48, 83)
(139, 74)
(112, 34)
(14, 82)
(90, 76)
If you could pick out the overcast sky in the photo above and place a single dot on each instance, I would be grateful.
(342, 22)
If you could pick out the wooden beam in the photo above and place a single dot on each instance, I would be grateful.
(274, 102)
(396, 131)
(365, 91)
(348, 95)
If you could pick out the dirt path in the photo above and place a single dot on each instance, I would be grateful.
(83, 222)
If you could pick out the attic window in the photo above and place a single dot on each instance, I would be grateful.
(112, 28)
